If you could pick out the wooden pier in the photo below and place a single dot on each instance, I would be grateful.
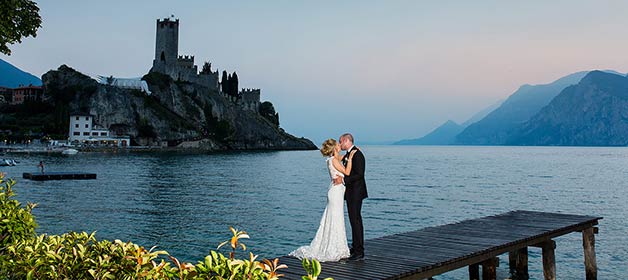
(475, 244)
(38, 176)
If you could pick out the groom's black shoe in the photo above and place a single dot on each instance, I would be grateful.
(356, 257)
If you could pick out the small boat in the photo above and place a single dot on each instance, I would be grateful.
(7, 162)
(68, 152)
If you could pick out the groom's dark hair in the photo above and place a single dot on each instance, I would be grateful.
(347, 135)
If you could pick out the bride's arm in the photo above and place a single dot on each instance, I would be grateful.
(344, 170)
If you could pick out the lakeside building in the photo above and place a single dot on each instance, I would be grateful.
(83, 131)
(27, 93)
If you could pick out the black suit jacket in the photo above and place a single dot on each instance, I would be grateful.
(356, 185)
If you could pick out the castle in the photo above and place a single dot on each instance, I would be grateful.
(182, 68)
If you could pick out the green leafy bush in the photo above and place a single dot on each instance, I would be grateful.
(16, 223)
(25, 255)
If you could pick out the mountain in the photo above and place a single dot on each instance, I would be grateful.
(12, 77)
(496, 127)
(592, 113)
(483, 113)
(446, 133)
(442, 135)
(181, 114)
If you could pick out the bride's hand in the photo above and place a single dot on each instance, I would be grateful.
(352, 153)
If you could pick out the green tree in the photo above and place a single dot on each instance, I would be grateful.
(267, 110)
(18, 19)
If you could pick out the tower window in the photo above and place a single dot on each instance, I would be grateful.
(163, 56)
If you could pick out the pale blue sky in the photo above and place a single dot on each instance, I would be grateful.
(384, 70)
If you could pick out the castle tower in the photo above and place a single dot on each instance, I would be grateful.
(168, 61)
(167, 44)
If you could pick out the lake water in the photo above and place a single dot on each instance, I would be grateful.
(185, 203)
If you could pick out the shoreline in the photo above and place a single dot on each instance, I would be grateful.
(139, 149)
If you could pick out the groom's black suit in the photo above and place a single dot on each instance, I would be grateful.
(354, 194)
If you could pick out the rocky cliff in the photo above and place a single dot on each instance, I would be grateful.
(178, 114)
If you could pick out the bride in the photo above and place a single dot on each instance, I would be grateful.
(330, 242)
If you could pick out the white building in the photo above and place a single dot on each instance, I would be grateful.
(130, 83)
(82, 130)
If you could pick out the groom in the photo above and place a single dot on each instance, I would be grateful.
(354, 194)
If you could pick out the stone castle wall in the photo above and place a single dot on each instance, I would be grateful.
(250, 99)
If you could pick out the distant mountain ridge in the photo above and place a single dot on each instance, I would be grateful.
(547, 114)
(592, 113)
(446, 133)
(528, 100)
(442, 135)
(12, 77)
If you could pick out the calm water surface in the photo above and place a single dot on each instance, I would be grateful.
(185, 203)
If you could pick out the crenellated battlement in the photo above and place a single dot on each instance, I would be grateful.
(250, 98)
(186, 58)
(250, 91)
(167, 22)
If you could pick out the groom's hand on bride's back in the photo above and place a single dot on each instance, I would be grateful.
(338, 180)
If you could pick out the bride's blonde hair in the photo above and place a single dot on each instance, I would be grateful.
(328, 147)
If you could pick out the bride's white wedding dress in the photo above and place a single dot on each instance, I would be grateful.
(330, 242)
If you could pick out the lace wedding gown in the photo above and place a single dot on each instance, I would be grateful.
(330, 242)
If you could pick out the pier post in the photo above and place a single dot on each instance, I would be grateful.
(489, 269)
(549, 260)
(518, 264)
(512, 262)
(474, 272)
(588, 242)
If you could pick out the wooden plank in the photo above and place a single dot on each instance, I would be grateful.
(427, 244)
(295, 270)
(460, 238)
(372, 270)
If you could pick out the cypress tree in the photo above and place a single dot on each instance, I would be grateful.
(235, 83)
(224, 81)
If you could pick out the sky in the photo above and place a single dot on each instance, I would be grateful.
(383, 70)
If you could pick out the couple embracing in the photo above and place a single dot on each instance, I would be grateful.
(347, 176)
